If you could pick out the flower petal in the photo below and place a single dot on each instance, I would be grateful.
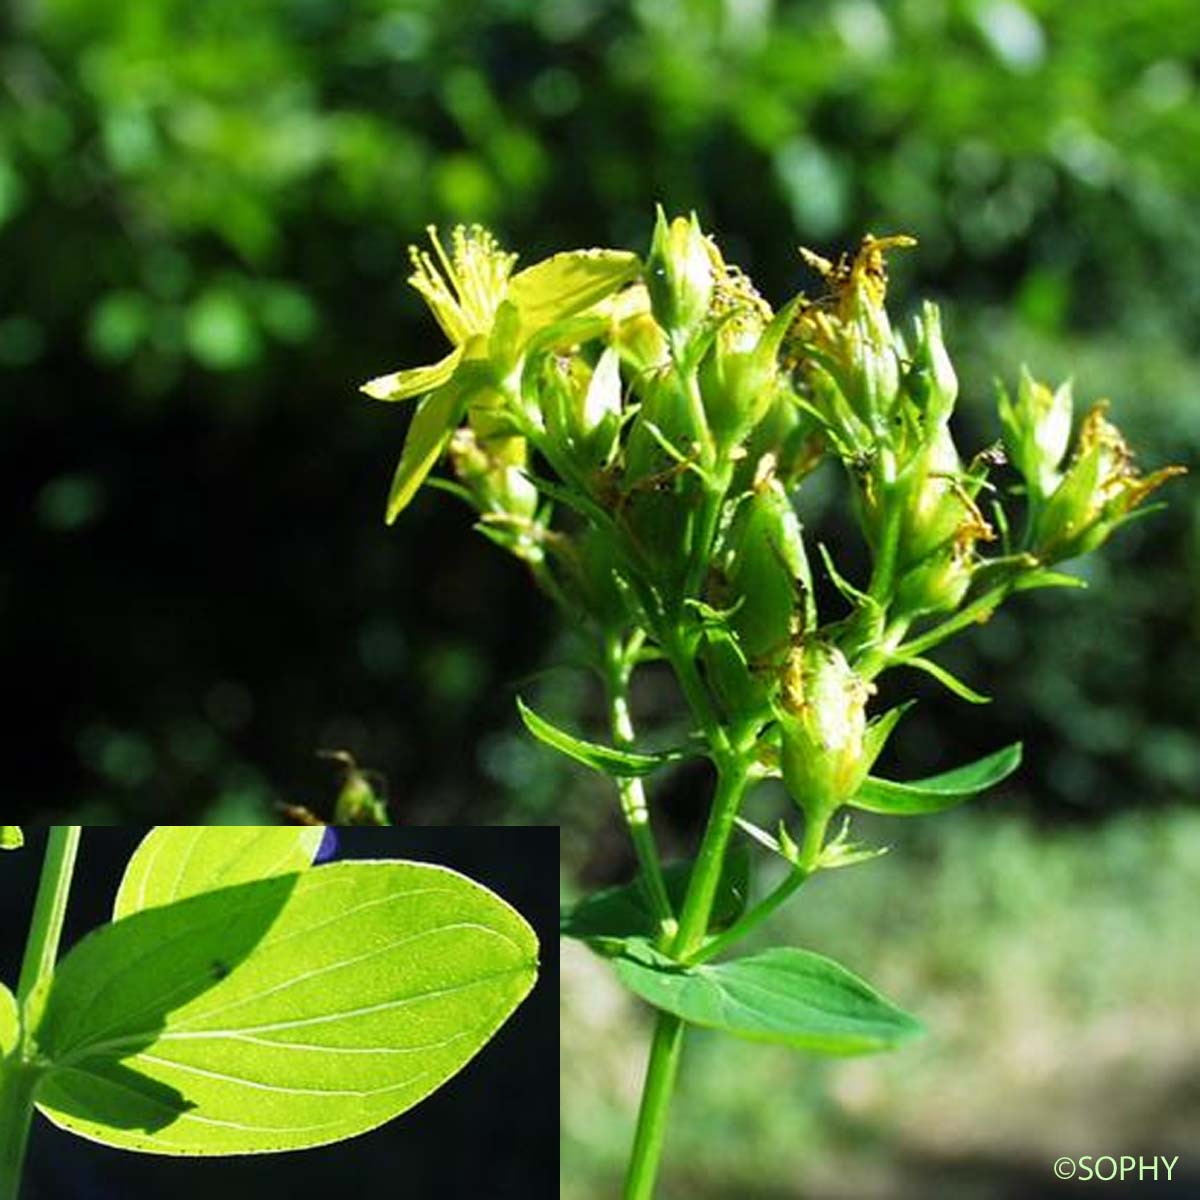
(402, 385)
(565, 284)
(431, 428)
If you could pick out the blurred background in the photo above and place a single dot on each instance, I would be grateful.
(203, 218)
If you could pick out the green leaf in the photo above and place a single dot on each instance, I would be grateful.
(946, 678)
(432, 426)
(606, 759)
(176, 861)
(10, 1022)
(281, 1014)
(417, 381)
(566, 284)
(11, 837)
(784, 995)
(938, 792)
(617, 913)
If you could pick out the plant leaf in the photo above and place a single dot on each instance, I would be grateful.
(176, 861)
(617, 913)
(793, 997)
(417, 381)
(11, 837)
(946, 678)
(938, 792)
(606, 759)
(10, 1022)
(281, 1014)
(432, 426)
(567, 283)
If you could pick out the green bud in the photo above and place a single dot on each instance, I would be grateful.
(822, 713)
(938, 499)
(739, 377)
(679, 274)
(938, 584)
(493, 472)
(665, 419)
(361, 799)
(744, 691)
(1037, 431)
(1098, 492)
(581, 406)
(931, 382)
(767, 573)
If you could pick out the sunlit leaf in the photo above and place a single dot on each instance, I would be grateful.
(175, 861)
(11, 837)
(276, 1015)
(10, 1022)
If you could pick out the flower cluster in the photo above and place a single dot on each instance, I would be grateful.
(635, 432)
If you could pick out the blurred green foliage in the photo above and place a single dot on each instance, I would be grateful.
(203, 215)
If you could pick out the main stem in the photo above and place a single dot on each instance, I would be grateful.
(18, 1074)
(668, 1030)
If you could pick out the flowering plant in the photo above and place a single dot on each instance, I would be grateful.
(635, 431)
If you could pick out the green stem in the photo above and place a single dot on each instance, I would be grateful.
(50, 908)
(668, 1030)
(883, 575)
(805, 866)
(706, 874)
(19, 1075)
(752, 918)
(17, 1083)
(656, 1101)
(618, 665)
(977, 610)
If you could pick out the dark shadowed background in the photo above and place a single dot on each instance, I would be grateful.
(490, 1132)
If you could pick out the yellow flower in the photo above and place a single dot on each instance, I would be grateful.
(489, 314)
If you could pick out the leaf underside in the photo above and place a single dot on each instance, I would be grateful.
(784, 995)
(281, 1014)
(177, 861)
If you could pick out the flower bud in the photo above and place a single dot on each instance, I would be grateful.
(938, 584)
(743, 690)
(739, 378)
(938, 499)
(1037, 430)
(493, 472)
(931, 382)
(1099, 491)
(581, 406)
(679, 274)
(767, 574)
(822, 713)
